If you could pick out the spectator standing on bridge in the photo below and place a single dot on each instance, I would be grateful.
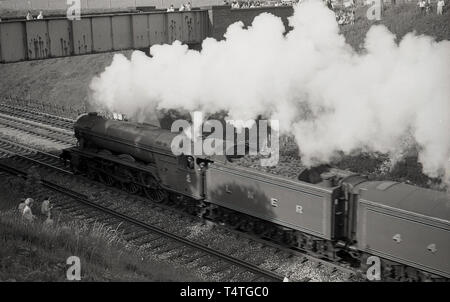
(440, 6)
(428, 6)
(352, 17)
(188, 6)
(40, 16)
(182, 8)
(171, 9)
(29, 16)
(341, 20)
(422, 5)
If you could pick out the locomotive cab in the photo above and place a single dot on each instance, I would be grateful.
(188, 179)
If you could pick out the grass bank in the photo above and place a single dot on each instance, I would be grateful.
(36, 252)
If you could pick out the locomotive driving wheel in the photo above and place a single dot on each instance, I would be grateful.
(259, 228)
(106, 179)
(152, 189)
(129, 183)
(234, 220)
(91, 173)
(131, 187)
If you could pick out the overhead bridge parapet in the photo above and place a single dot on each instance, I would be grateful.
(59, 37)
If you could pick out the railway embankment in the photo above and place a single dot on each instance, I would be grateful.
(36, 251)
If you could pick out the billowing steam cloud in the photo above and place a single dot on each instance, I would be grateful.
(322, 91)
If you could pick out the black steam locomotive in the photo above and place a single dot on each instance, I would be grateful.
(340, 217)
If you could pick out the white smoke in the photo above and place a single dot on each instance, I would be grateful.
(329, 96)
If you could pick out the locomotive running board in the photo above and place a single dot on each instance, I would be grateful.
(148, 168)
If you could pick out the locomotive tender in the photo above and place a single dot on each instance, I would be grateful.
(340, 216)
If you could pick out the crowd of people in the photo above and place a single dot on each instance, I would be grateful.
(26, 210)
(184, 7)
(29, 16)
(345, 12)
(344, 17)
(251, 4)
(426, 6)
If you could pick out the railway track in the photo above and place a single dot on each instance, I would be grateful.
(24, 155)
(40, 130)
(27, 155)
(37, 116)
(78, 205)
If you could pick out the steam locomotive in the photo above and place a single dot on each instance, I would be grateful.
(336, 215)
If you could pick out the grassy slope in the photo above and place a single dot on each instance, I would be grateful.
(62, 81)
(33, 252)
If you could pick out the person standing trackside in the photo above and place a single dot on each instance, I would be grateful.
(46, 206)
(40, 16)
(440, 6)
(21, 205)
(49, 220)
(27, 213)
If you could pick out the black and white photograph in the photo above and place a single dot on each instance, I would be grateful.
(236, 148)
